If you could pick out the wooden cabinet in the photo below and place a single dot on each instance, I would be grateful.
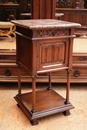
(46, 47)
(74, 11)
(11, 9)
(75, 15)
(70, 3)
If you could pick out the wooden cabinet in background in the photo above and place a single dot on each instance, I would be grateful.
(9, 70)
(75, 15)
(9, 9)
(74, 11)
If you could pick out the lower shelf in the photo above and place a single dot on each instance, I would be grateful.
(48, 102)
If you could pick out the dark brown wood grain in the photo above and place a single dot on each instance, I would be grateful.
(47, 49)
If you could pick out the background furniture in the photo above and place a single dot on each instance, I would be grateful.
(74, 11)
(7, 29)
(11, 9)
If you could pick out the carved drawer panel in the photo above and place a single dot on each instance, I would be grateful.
(80, 57)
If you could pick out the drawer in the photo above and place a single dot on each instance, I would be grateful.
(7, 56)
(10, 71)
(80, 58)
(79, 72)
(76, 72)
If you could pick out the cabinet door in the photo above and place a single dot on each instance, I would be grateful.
(52, 54)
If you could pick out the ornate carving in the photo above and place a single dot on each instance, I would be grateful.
(51, 33)
(51, 53)
(82, 58)
(57, 3)
(63, 4)
(80, 4)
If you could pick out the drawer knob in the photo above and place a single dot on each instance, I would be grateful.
(76, 73)
(7, 73)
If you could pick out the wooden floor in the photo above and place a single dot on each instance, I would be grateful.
(12, 118)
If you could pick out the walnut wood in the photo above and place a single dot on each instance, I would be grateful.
(48, 102)
(75, 15)
(43, 9)
(44, 46)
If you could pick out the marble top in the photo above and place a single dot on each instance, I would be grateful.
(44, 23)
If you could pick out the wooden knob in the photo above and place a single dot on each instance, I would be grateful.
(76, 73)
(7, 73)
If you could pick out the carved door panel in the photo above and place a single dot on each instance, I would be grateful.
(49, 54)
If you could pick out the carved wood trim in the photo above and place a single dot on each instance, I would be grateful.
(51, 33)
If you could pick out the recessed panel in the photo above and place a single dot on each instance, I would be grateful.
(53, 54)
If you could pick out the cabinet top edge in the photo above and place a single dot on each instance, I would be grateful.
(44, 23)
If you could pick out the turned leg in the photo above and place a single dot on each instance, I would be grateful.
(34, 122)
(67, 92)
(68, 87)
(19, 80)
(50, 85)
(33, 94)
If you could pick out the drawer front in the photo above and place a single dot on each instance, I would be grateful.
(7, 58)
(76, 72)
(79, 72)
(7, 55)
(81, 58)
(9, 71)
